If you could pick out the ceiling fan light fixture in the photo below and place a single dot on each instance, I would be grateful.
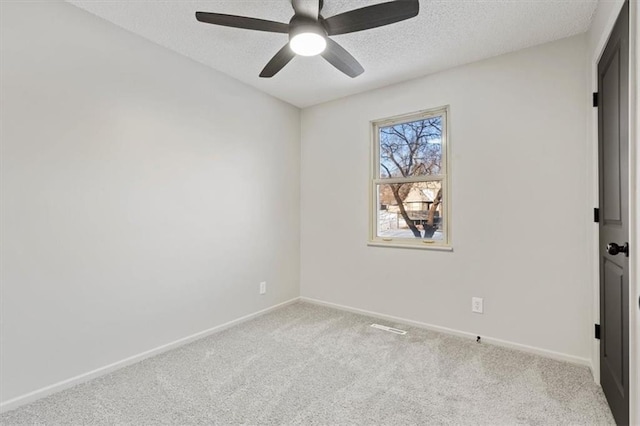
(308, 44)
(307, 37)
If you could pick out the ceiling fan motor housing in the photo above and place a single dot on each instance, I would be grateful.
(302, 24)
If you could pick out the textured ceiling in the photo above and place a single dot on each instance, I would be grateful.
(446, 33)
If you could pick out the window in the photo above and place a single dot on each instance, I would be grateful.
(410, 194)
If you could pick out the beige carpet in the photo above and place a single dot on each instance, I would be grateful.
(311, 365)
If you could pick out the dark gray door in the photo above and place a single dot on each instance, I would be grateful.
(613, 153)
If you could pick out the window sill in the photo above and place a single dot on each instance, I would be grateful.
(422, 246)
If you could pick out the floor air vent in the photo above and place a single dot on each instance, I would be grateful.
(389, 329)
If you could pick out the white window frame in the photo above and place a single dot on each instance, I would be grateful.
(444, 177)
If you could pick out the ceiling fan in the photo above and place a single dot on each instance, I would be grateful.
(308, 30)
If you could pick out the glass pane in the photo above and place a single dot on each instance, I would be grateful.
(411, 149)
(411, 210)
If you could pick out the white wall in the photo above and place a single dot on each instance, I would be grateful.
(518, 126)
(144, 196)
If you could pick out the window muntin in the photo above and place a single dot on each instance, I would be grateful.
(409, 184)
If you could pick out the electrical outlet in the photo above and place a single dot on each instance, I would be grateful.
(477, 305)
(263, 287)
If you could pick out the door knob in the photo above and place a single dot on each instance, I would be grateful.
(613, 249)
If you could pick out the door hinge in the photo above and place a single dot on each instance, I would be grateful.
(595, 99)
(597, 331)
(596, 215)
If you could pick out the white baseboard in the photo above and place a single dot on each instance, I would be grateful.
(73, 381)
(485, 339)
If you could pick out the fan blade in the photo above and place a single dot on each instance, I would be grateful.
(307, 8)
(341, 59)
(242, 22)
(371, 16)
(278, 62)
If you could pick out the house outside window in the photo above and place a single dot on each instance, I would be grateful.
(410, 190)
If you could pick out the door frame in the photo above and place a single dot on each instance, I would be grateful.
(634, 205)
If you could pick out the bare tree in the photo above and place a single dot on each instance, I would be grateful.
(407, 150)
(430, 228)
